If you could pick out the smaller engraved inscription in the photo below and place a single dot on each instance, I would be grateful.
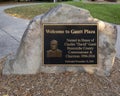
(75, 44)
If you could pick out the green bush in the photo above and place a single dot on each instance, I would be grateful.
(5, 0)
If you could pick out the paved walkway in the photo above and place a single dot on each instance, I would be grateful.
(118, 42)
(12, 29)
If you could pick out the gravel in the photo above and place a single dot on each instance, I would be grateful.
(62, 84)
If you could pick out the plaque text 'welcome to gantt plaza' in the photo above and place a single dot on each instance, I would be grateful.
(75, 44)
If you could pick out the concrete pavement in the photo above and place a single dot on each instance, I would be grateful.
(12, 29)
(118, 42)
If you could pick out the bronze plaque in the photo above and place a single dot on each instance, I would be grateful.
(70, 44)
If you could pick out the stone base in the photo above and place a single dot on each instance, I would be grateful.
(28, 59)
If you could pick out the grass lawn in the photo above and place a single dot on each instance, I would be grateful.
(105, 12)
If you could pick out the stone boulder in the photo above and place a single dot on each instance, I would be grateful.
(28, 59)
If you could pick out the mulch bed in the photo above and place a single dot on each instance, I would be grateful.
(62, 84)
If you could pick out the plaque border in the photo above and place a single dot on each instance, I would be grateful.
(70, 65)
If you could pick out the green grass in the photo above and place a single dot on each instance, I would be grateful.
(105, 12)
(28, 12)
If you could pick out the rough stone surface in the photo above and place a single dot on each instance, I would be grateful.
(28, 59)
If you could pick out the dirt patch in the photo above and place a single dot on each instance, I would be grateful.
(63, 84)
